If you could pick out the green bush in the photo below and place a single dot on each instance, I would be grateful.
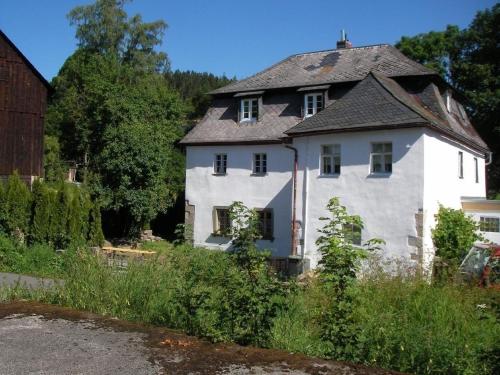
(58, 217)
(454, 234)
(16, 205)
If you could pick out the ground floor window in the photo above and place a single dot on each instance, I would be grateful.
(489, 224)
(222, 221)
(266, 223)
(352, 233)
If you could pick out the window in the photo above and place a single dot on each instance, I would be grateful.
(460, 164)
(222, 222)
(259, 163)
(489, 224)
(313, 103)
(266, 223)
(381, 158)
(220, 163)
(249, 109)
(330, 159)
(476, 169)
(448, 101)
(352, 233)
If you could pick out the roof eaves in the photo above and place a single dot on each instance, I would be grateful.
(27, 62)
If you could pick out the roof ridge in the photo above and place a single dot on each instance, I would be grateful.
(342, 49)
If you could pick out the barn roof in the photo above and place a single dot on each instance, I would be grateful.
(26, 61)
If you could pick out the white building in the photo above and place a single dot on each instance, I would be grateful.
(368, 125)
(487, 214)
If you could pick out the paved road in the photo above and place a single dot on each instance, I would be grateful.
(46, 339)
(14, 279)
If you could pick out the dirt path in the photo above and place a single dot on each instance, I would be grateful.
(47, 339)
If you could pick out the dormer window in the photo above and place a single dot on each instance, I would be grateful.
(448, 100)
(313, 103)
(249, 109)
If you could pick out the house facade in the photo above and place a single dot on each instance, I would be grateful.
(23, 101)
(368, 125)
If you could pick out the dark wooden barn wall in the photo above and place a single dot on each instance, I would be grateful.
(23, 100)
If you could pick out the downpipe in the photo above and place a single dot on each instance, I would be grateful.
(293, 251)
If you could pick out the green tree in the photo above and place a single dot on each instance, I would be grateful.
(116, 115)
(454, 234)
(193, 88)
(469, 60)
(53, 165)
(17, 206)
(41, 211)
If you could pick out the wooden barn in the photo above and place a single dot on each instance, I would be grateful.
(23, 101)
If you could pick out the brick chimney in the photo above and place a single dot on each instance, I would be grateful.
(343, 42)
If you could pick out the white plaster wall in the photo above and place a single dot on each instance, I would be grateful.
(387, 204)
(205, 190)
(442, 184)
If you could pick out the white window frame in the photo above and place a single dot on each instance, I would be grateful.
(382, 155)
(259, 163)
(315, 110)
(246, 116)
(460, 164)
(334, 157)
(220, 164)
(489, 221)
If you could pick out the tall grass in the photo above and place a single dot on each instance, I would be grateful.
(407, 325)
(403, 324)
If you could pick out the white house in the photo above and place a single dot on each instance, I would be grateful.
(487, 214)
(368, 125)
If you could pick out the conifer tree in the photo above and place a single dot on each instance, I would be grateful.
(41, 211)
(17, 206)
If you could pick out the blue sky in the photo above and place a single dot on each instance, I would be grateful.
(237, 38)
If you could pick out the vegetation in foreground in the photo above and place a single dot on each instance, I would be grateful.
(401, 323)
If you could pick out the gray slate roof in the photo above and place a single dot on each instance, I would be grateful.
(380, 102)
(219, 125)
(331, 66)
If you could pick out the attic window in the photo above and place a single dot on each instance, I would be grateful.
(249, 109)
(448, 101)
(313, 103)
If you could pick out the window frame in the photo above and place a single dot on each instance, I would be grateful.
(223, 164)
(262, 163)
(250, 111)
(267, 224)
(460, 164)
(489, 221)
(217, 230)
(335, 154)
(315, 110)
(352, 236)
(382, 154)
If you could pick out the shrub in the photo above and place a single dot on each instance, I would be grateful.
(339, 264)
(454, 234)
(16, 207)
